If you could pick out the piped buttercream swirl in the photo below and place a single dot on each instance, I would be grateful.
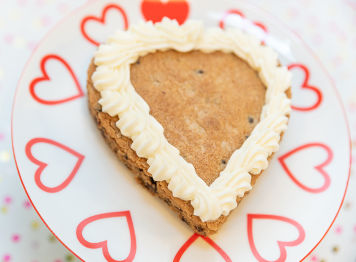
(119, 98)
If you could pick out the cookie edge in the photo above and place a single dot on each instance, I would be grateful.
(120, 144)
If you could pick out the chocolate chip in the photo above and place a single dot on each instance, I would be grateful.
(184, 220)
(200, 71)
(97, 107)
(250, 120)
(168, 201)
(154, 183)
(223, 161)
(150, 185)
(247, 137)
(199, 228)
(126, 157)
(140, 169)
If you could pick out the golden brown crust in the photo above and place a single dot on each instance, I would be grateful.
(121, 146)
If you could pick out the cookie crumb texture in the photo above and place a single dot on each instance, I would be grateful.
(205, 102)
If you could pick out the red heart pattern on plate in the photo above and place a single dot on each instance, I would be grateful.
(208, 240)
(306, 85)
(155, 10)
(239, 13)
(41, 165)
(103, 245)
(281, 244)
(319, 167)
(45, 77)
(102, 20)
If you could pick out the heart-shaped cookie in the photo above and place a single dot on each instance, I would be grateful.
(195, 113)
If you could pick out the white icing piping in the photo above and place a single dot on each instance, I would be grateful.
(119, 98)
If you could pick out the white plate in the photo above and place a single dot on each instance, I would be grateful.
(91, 202)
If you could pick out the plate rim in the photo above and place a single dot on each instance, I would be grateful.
(277, 19)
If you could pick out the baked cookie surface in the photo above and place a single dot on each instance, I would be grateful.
(207, 103)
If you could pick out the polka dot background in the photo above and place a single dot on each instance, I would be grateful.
(328, 27)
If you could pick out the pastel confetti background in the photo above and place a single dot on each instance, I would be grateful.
(327, 26)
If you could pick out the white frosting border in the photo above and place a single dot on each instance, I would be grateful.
(119, 98)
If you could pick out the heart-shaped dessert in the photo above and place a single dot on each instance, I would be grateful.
(195, 113)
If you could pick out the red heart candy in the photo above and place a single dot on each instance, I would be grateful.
(155, 10)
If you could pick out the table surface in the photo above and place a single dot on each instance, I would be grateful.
(327, 26)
